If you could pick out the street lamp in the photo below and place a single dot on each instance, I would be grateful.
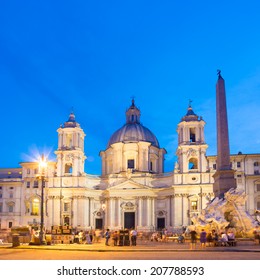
(41, 177)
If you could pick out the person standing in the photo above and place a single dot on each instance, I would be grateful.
(203, 238)
(115, 237)
(209, 239)
(98, 235)
(133, 235)
(107, 236)
(193, 239)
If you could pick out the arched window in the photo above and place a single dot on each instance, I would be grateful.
(192, 135)
(33, 206)
(193, 164)
(68, 168)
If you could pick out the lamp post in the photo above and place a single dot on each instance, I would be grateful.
(41, 177)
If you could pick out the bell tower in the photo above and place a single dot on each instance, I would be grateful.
(192, 148)
(70, 152)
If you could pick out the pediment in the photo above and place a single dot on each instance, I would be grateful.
(129, 185)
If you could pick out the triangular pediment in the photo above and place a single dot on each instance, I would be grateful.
(129, 185)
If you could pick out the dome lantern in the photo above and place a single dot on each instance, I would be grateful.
(133, 114)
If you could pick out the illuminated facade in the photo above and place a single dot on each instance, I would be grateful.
(133, 190)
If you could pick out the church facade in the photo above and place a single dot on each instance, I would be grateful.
(133, 190)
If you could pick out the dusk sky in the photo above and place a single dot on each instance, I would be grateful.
(93, 56)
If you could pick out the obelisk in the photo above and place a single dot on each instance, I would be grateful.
(224, 176)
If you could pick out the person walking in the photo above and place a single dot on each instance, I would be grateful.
(107, 236)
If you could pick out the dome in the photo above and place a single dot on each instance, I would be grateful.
(133, 130)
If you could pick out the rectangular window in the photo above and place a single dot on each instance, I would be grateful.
(214, 166)
(28, 171)
(256, 172)
(1, 207)
(35, 184)
(194, 205)
(10, 224)
(66, 206)
(28, 184)
(11, 195)
(151, 166)
(35, 171)
(238, 164)
(1, 195)
(258, 205)
(10, 208)
(258, 187)
(131, 163)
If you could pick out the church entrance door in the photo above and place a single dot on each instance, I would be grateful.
(129, 221)
(99, 223)
(160, 223)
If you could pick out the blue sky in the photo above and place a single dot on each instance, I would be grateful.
(95, 55)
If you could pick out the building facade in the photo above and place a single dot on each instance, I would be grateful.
(133, 189)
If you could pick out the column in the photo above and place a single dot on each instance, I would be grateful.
(119, 214)
(153, 213)
(140, 212)
(56, 210)
(75, 212)
(50, 214)
(172, 224)
(186, 202)
(112, 212)
(91, 210)
(168, 209)
(86, 212)
(148, 201)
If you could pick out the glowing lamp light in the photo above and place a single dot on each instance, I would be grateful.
(43, 162)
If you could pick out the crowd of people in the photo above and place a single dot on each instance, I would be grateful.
(95, 236)
(88, 237)
(212, 238)
(196, 237)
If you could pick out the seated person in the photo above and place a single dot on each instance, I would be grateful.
(209, 238)
(154, 237)
(231, 236)
(224, 238)
(181, 239)
(214, 235)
